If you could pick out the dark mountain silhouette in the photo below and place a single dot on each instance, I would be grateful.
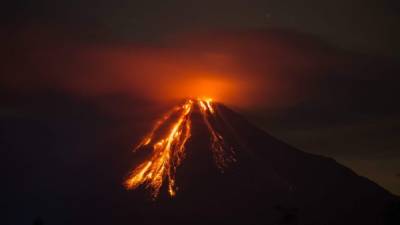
(69, 168)
(271, 183)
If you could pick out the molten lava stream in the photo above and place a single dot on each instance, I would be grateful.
(223, 156)
(169, 151)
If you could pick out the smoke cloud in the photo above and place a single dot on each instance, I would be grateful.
(271, 68)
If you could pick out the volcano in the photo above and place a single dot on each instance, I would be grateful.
(204, 164)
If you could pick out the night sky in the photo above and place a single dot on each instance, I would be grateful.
(319, 75)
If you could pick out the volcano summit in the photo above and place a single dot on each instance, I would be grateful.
(219, 168)
(169, 151)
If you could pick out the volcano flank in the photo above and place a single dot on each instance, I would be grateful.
(263, 180)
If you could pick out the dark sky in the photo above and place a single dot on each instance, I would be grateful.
(363, 25)
(348, 107)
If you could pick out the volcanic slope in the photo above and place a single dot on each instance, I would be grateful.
(269, 182)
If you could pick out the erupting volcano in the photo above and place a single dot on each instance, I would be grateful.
(220, 168)
(169, 150)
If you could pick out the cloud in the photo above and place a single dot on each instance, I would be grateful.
(272, 68)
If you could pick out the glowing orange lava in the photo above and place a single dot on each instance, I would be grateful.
(169, 151)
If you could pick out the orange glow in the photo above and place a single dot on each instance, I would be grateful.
(242, 69)
(169, 151)
(204, 85)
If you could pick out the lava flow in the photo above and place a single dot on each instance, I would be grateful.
(169, 151)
